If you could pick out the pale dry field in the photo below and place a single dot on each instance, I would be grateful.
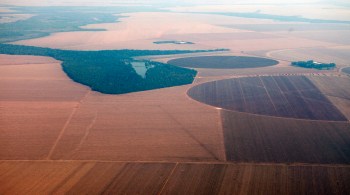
(22, 60)
(79, 124)
(318, 10)
(162, 125)
(338, 55)
(140, 30)
(332, 36)
(36, 99)
(136, 31)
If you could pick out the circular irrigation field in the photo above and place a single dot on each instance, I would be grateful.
(346, 70)
(223, 62)
(280, 96)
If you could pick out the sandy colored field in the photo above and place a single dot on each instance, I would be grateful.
(22, 60)
(30, 177)
(313, 10)
(153, 125)
(332, 36)
(338, 55)
(29, 78)
(136, 31)
(265, 44)
(290, 29)
(65, 130)
(140, 30)
(46, 115)
(36, 98)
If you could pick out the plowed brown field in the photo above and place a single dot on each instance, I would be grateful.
(169, 178)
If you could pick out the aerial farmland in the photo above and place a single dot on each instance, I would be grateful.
(181, 97)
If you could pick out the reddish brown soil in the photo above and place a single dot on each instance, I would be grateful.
(20, 177)
(45, 115)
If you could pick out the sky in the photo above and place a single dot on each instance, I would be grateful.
(170, 2)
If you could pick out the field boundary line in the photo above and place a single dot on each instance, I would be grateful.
(221, 126)
(190, 134)
(268, 94)
(167, 179)
(187, 162)
(242, 92)
(60, 135)
(86, 134)
(305, 99)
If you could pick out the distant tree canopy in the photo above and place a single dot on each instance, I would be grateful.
(48, 20)
(313, 64)
(110, 71)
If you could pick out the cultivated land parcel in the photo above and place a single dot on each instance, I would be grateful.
(259, 129)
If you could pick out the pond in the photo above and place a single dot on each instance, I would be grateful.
(141, 67)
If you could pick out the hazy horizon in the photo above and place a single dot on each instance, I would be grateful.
(171, 2)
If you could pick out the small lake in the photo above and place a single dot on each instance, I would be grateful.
(140, 67)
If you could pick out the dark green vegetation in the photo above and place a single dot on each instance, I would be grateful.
(223, 62)
(110, 71)
(47, 20)
(172, 42)
(346, 70)
(292, 97)
(312, 64)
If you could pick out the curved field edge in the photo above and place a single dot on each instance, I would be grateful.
(277, 96)
(346, 70)
(223, 62)
(110, 71)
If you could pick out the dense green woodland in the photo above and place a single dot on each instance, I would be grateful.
(110, 71)
(312, 64)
